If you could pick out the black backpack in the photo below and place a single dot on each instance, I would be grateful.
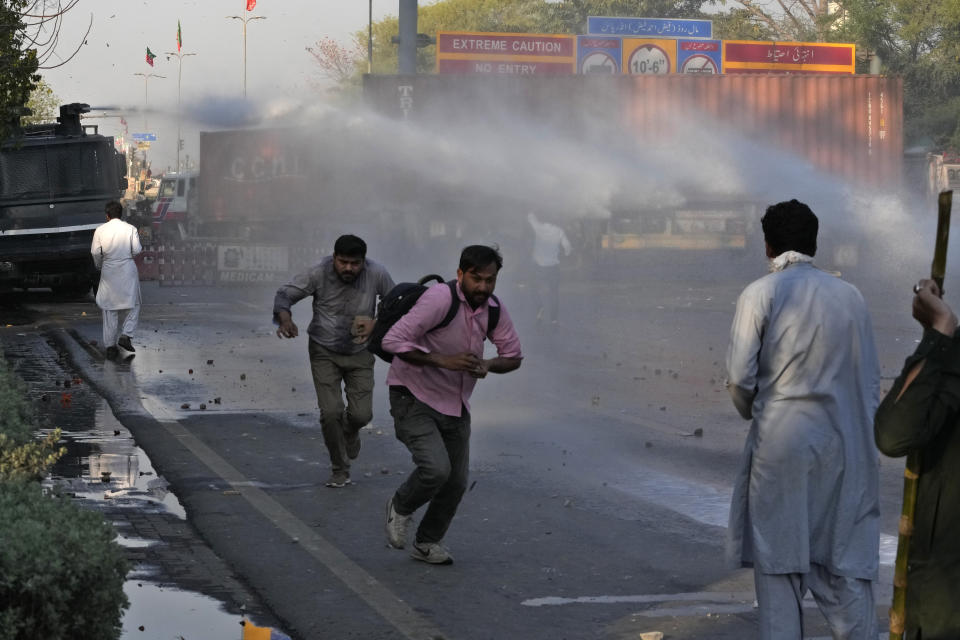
(401, 299)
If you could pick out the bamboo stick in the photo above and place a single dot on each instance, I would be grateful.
(898, 610)
(939, 267)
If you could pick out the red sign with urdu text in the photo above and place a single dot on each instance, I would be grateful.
(740, 56)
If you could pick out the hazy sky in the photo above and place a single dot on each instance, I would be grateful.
(278, 67)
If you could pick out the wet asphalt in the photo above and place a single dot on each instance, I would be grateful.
(595, 509)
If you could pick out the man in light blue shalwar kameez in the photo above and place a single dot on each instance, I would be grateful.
(802, 366)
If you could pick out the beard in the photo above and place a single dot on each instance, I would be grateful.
(476, 299)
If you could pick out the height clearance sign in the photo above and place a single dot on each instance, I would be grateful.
(649, 56)
(505, 53)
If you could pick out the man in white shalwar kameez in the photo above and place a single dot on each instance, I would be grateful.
(802, 366)
(114, 246)
(548, 241)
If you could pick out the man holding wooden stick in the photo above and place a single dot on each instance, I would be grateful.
(922, 412)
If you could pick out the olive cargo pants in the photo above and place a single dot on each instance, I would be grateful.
(355, 372)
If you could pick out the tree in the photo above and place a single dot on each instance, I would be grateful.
(919, 41)
(337, 62)
(41, 21)
(44, 104)
(18, 67)
(29, 42)
(793, 20)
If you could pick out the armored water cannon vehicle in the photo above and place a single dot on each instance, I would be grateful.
(55, 181)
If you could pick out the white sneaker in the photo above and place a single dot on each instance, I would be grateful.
(431, 552)
(396, 526)
(338, 480)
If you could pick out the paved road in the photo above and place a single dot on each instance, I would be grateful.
(593, 511)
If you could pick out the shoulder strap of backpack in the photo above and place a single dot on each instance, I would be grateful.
(493, 316)
(454, 306)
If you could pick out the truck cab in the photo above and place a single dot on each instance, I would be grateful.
(176, 200)
(944, 172)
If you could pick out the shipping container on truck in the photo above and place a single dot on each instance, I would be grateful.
(251, 184)
(55, 182)
(252, 180)
(232, 216)
(848, 126)
(263, 200)
(278, 184)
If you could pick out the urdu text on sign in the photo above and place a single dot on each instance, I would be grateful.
(650, 27)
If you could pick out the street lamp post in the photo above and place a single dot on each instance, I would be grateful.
(146, 80)
(370, 39)
(146, 102)
(245, 20)
(180, 57)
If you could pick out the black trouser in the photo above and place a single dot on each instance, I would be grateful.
(440, 446)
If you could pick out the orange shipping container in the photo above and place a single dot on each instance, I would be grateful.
(850, 126)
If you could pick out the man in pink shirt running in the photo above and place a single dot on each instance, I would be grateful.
(430, 381)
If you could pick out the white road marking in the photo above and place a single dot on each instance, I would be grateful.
(696, 596)
(708, 603)
(704, 503)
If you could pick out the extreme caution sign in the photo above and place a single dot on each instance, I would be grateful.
(740, 56)
(505, 53)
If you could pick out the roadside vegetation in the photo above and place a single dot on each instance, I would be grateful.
(61, 571)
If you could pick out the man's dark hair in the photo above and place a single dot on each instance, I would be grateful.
(790, 226)
(350, 246)
(478, 256)
(114, 209)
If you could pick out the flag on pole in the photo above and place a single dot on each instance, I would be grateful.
(251, 4)
(150, 57)
(179, 37)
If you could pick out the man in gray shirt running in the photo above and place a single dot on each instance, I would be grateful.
(344, 287)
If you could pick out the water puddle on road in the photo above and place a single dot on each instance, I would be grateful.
(159, 612)
(103, 463)
(104, 469)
